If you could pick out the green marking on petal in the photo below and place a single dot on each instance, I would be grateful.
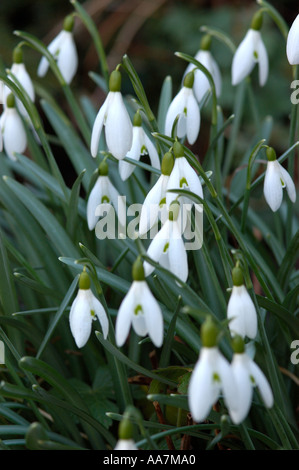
(162, 202)
(216, 377)
(93, 314)
(183, 182)
(255, 54)
(166, 247)
(252, 380)
(185, 111)
(282, 183)
(143, 150)
(105, 199)
(138, 310)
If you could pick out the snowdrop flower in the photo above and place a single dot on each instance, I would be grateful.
(184, 107)
(251, 51)
(18, 69)
(201, 83)
(154, 205)
(183, 176)
(125, 435)
(167, 247)
(86, 308)
(139, 308)
(247, 375)
(104, 193)
(64, 50)
(240, 309)
(292, 43)
(141, 145)
(12, 129)
(114, 116)
(212, 375)
(277, 178)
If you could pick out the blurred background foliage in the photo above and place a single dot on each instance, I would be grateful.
(150, 31)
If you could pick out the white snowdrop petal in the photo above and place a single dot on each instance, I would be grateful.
(176, 108)
(262, 384)
(80, 319)
(228, 385)
(292, 43)
(14, 135)
(289, 183)
(152, 152)
(98, 126)
(243, 383)
(125, 444)
(156, 247)
(263, 62)
(118, 130)
(200, 388)
(177, 254)
(243, 60)
(125, 316)
(19, 70)
(153, 317)
(272, 186)
(150, 207)
(94, 200)
(53, 47)
(68, 58)
(193, 119)
(216, 74)
(101, 315)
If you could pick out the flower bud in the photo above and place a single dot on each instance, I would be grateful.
(237, 276)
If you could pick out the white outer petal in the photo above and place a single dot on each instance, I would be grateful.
(150, 207)
(272, 186)
(193, 118)
(242, 309)
(98, 126)
(125, 444)
(94, 200)
(243, 60)
(263, 62)
(20, 72)
(14, 135)
(68, 58)
(191, 177)
(80, 317)
(117, 201)
(292, 43)
(240, 370)
(152, 152)
(156, 247)
(126, 168)
(174, 181)
(153, 317)
(201, 394)
(118, 127)
(125, 316)
(178, 260)
(290, 186)
(176, 108)
(53, 47)
(262, 384)
(101, 315)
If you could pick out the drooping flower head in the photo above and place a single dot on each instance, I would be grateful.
(114, 116)
(211, 376)
(140, 309)
(247, 375)
(167, 247)
(183, 115)
(201, 83)
(154, 204)
(12, 129)
(125, 436)
(63, 49)
(104, 195)
(86, 308)
(293, 43)
(141, 145)
(277, 178)
(19, 71)
(251, 51)
(240, 309)
(183, 176)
